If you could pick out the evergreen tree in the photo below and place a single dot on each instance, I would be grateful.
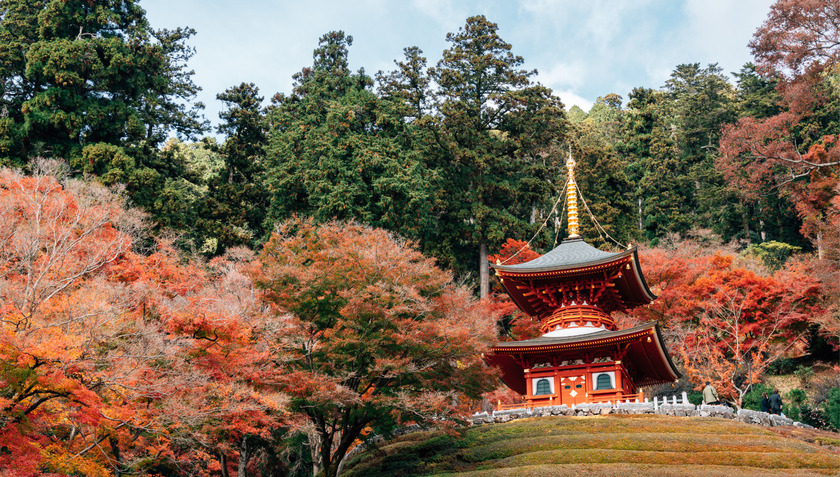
(652, 165)
(338, 151)
(75, 73)
(494, 126)
(601, 175)
(91, 82)
(234, 209)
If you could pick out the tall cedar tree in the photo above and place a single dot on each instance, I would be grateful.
(601, 174)
(77, 73)
(653, 165)
(93, 83)
(373, 333)
(338, 151)
(494, 128)
(699, 102)
(233, 211)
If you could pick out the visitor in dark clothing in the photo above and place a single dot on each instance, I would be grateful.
(765, 403)
(775, 402)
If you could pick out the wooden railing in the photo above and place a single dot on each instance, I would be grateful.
(554, 400)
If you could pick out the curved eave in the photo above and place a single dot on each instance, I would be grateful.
(523, 268)
(632, 286)
(645, 350)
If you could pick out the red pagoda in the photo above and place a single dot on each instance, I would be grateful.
(581, 356)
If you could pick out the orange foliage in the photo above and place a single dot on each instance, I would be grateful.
(726, 321)
(518, 325)
(108, 357)
(372, 331)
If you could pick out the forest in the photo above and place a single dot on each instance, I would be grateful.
(262, 300)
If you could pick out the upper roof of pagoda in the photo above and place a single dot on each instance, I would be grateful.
(571, 253)
(552, 281)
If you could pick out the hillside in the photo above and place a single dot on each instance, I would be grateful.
(605, 445)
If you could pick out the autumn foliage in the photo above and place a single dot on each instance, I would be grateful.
(371, 329)
(121, 360)
(727, 318)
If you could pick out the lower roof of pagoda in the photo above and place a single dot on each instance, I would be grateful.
(543, 285)
(642, 347)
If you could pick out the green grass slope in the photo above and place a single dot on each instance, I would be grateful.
(602, 445)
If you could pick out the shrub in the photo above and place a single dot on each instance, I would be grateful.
(832, 408)
(804, 374)
(796, 405)
(752, 400)
(695, 397)
(782, 366)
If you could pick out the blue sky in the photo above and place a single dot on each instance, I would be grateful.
(582, 49)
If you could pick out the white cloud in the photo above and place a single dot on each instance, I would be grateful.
(572, 99)
(563, 75)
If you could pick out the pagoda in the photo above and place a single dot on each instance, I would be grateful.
(581, 357)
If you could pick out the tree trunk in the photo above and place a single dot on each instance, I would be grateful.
(641, 224)
(315, 451)
(745, 221)
(115, 449)
(484, 270)
(244, 456)
(819, 246)
(223, 463)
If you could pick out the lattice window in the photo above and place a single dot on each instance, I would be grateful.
(604, 381)
(543, 387)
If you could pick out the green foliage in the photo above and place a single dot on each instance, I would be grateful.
(601, 176)
(752, 399)
(491, 149)
(782, 366)
(695, 397)
(338, 151)
(795, 405)
(75, 73)
(233, 210)
(804, 374)
(832, 408)
(576, 115)
(773, 254)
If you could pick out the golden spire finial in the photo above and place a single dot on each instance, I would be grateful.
(571, 198)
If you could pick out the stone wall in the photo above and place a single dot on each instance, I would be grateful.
(667, 407)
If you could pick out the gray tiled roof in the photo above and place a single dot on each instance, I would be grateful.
(550, 340)
(570, 253)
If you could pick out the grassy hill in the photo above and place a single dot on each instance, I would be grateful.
(604, 445)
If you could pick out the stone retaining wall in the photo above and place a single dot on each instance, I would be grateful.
(672, 407)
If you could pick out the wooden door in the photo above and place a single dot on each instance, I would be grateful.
(573, 389)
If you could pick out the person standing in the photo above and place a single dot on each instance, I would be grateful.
(775, 402)
(765, 402)
(710, 395)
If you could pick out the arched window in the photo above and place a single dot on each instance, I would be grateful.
(543, 386)
(604, 382)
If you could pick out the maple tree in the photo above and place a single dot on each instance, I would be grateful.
(728, 320)
(113, 361)
(54, 238)
(794, 145)
(514, 324)
(372, 333)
